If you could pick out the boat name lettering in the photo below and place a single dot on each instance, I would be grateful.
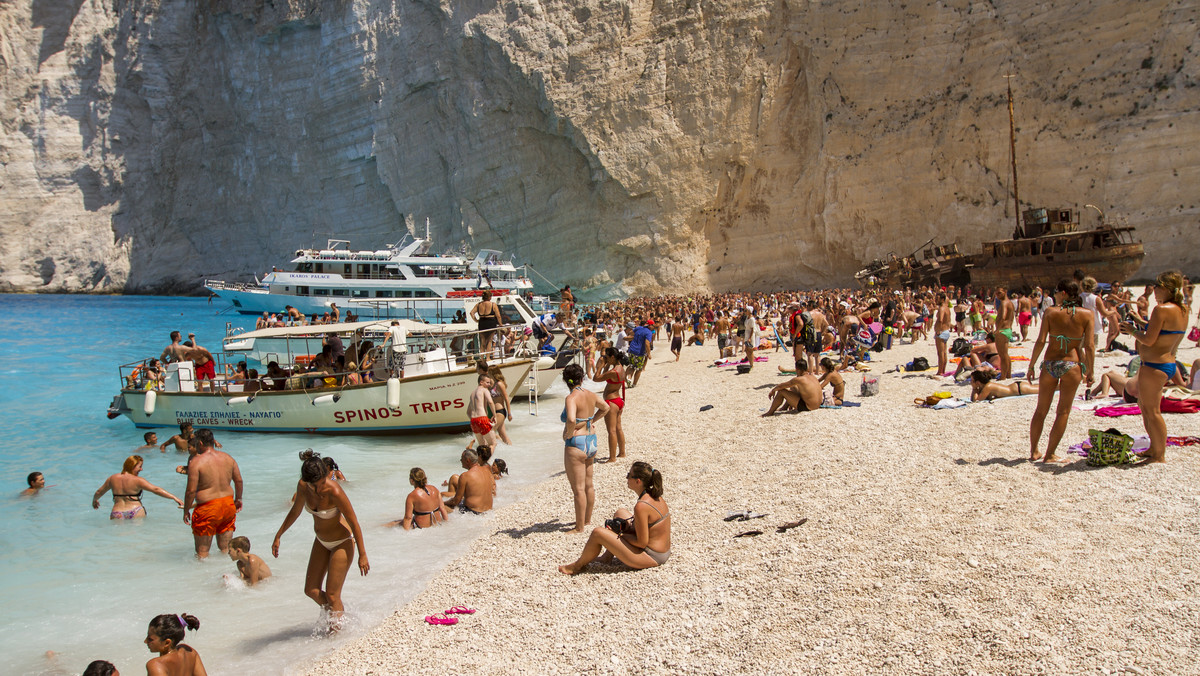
(308, 275)
(365, 414)
(442, 387)
(435, 406)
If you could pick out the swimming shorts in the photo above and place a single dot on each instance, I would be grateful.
(206, 371)
(214, 517)
(676, 344)
(976, 319)
(814, 347)
(637, 361)
(464, 509)
(1024, 319)
(481, 425)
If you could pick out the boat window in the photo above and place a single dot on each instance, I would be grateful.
(386, 293)
(364, 270)
(301, 290)
(1060, 246)
(423, 293)
(511, 314)
(361, 293)
(405, 294)
(339, 292)
(304, 267)
(320, 292)
(347, 268)
(320, 267)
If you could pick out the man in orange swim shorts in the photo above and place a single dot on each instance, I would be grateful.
(480, 411)
(210, 473)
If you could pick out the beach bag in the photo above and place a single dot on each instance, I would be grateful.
(1109, 447)
(870, 387)
(1194, 334)
(932, 399)
(918, 364)
(961, 347)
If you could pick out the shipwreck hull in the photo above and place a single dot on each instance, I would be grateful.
(1113, 264)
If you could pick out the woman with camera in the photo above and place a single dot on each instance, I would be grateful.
(641, 539)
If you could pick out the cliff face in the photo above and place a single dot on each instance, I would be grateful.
(621, 145)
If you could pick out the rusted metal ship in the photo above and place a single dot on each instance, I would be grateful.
(1047, 245)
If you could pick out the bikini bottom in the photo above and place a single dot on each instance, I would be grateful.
(333, 545)
(1167, 367)
(584, 442)
(659, 557)
(1058, 368)
(128, 514)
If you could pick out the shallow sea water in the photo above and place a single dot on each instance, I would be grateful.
(85, 587)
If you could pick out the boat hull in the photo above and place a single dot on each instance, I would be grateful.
(427, 403)
(1114, 264)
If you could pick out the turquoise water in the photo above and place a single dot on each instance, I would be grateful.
(85, 587)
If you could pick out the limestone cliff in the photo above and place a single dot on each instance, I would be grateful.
(618, 145)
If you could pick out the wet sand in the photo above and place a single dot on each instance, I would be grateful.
(932, 545)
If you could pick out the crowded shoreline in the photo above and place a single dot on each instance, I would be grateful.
(929, 542)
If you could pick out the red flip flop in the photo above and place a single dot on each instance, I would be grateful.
(441, 618)
(460, 610)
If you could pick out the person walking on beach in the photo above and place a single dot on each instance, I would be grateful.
(175, 658)
(1005, 314)
(579, 443)
(639, 540)
(337, 533)
(210, 473)
(1071, 350)
(1157, 346)
(640, 347)
(127, 488)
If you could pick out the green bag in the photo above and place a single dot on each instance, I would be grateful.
(1109, 447)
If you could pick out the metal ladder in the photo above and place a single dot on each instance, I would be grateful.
(531, 384)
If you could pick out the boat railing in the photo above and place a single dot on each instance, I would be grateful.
(221, 285)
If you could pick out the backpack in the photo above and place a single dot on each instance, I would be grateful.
(809, 333)
(961, 347)
(918, 364)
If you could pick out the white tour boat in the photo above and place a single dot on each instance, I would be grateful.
(425, 390)
(383, 283)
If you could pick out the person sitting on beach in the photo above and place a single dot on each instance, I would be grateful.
(252, 568)
(36, 481)
(831, 377)
(1123, 385)
(639, 540)
(127, 488)
(423, 507)
(175, 658)
(801, 393)
(982, 387)
(984, 353)
(474, 488)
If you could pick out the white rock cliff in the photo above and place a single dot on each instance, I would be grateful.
(618, 145)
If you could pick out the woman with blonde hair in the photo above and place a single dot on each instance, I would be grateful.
(127, 488)
(500, 402)
(1158, 343)
(423, 507)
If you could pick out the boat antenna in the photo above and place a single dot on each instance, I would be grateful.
(1012, 151)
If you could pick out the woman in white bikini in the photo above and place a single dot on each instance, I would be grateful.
(337, 533)
(127, 490)
(639, 540)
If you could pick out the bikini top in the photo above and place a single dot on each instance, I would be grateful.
(587, 421)
(137, 497)
(331, 513)
(661, 516)
(1164, 332)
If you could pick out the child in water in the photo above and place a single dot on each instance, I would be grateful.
(252, 568)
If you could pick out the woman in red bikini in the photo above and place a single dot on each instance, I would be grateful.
(612, 374)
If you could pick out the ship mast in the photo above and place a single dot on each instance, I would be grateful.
(1012, 152)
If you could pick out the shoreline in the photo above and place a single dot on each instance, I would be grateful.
(932, 545)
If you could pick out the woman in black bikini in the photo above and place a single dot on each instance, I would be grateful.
(127, 490)
(337, 533)
(1158, 344)
(639, 540)
(501, 402)
(983, 389)
(487, 314)
(423, 507)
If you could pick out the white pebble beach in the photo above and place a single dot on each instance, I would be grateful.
(932, 545)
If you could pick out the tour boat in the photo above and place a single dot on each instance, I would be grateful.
(401, 278)
(429, 394)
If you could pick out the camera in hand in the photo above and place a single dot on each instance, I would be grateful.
(617, 526)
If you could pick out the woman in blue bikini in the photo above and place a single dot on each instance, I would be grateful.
(1159, 341)
(579, 442)
(1071, 349)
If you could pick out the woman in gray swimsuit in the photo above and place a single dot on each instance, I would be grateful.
(639, 540)
(127, 490)
(337, 533)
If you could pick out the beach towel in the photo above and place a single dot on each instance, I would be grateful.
(1168, 405)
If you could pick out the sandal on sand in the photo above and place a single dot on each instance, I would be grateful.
(441, 618)
(460, 610)
(790, 525)
(749, 533)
